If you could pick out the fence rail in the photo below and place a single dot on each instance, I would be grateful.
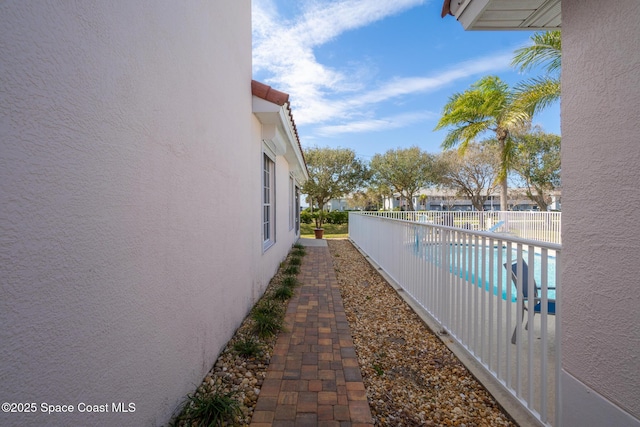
(542, 226)
(463, 279)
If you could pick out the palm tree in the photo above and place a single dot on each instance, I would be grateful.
(487, 106)
(537, 93)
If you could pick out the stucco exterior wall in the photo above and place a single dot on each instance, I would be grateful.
(600, 168)
(285, 237)
(268, 261)
(130, 215)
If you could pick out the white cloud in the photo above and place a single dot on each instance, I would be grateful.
(323, 21)
(414, 85)
(321, 109)
(283, 50)
(373, 125)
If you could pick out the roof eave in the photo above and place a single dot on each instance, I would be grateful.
(273, 110)
(501, 15)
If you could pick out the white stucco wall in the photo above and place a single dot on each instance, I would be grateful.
(285, 237)
(268, 261)
(601, 247)
(130, 232)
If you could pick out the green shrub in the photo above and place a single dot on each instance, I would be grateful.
(283, 293)
(295, 260)
(268, 317)
(247, 347)
(269, 307)
(337, 217)
(292, 269)
(267, 325)
(306, 217)
(290, 282)
(210, 408)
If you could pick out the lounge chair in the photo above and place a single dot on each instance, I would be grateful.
(523, 292)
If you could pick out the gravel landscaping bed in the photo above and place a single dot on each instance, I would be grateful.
(411, 377)
(235, 375)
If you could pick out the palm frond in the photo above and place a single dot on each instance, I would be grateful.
(535, 94)
(474, 111)
(545, 50)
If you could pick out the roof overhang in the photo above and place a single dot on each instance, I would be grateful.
(279, 132)
(505, 14)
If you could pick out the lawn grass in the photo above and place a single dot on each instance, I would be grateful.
(334, 231)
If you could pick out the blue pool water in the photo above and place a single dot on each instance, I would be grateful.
(462, 258)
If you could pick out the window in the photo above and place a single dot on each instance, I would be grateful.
(297, 208)
(292, 197)
(294, 206)
(268, 202)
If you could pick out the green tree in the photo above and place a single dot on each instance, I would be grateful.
(472, 174)
(333, 173)
(368, 199)
(405, 171)
(488, 106)
(537, 93)
(538, 164)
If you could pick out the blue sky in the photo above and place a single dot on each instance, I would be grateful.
(372, 75)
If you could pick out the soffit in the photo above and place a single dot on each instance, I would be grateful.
(273, 109)
(505, 14)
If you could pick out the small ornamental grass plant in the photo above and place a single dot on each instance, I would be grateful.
(292, 270)
(248, 347)
(268, 317)
(223, 404)
(283, 292)
(290, 282)
(210, 407)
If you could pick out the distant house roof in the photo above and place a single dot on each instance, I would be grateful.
(281, 99)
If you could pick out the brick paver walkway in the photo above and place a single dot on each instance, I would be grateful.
(314, 378)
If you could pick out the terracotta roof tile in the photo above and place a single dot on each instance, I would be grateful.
(446, 8)
(268, 93)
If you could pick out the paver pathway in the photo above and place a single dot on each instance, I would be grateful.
(314, 378)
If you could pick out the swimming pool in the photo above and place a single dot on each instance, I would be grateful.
(463, 258)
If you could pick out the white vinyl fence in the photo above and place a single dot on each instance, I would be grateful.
(543, 226)
(463, 279)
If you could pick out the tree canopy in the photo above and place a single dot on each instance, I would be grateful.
(537, 162)
(333, 173)
(487, 106)
(472, 174)
(405, 171)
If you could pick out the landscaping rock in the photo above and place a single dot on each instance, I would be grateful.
(411, 377)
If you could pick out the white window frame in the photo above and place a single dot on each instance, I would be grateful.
(296, 205)
(268, 201)
(292, 203)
